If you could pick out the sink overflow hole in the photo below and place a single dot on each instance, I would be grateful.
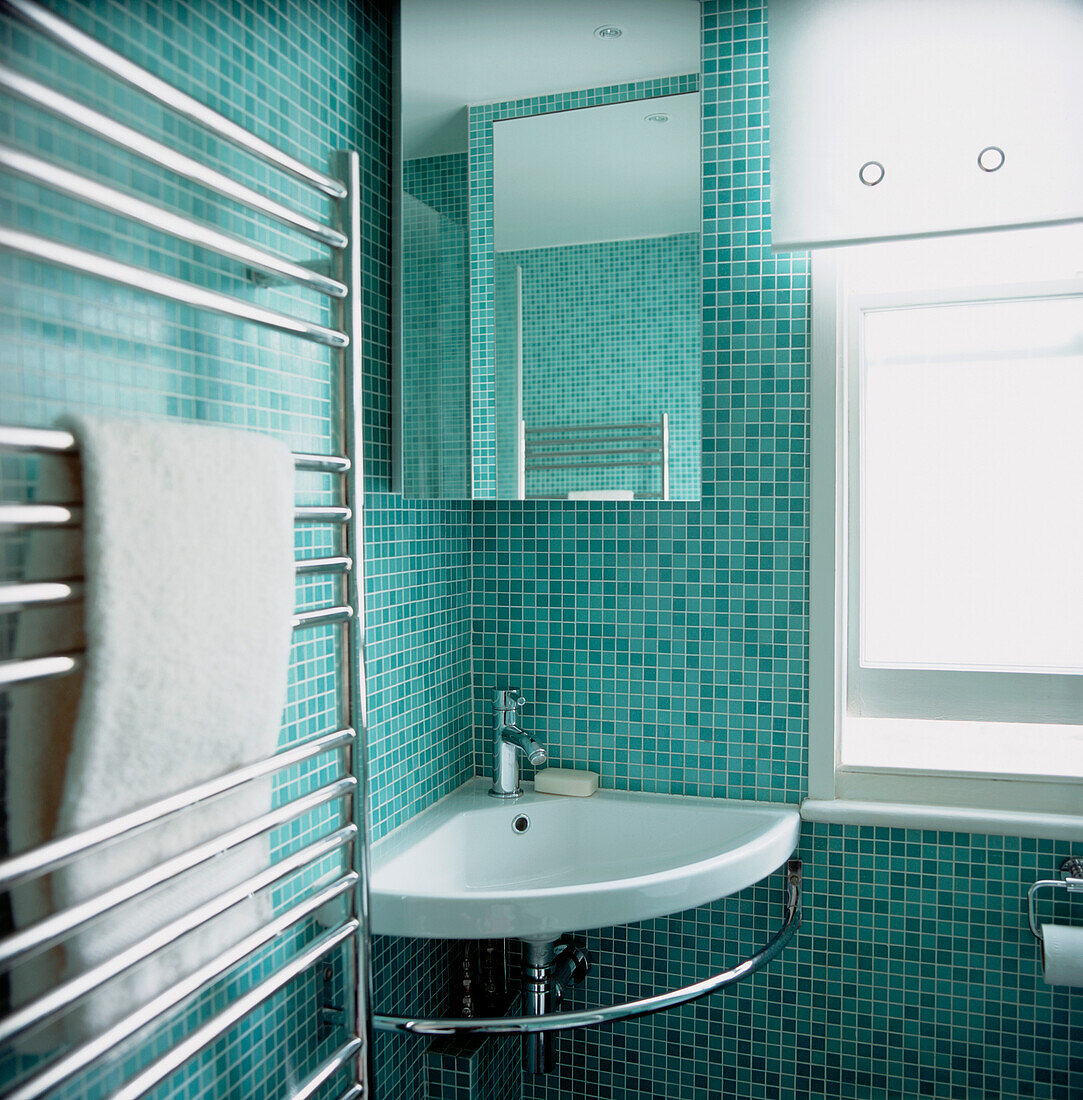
(520, 824)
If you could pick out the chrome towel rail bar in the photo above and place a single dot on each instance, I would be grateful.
(18, 597)
(593, 1017)
(70, 515)
(337, 276)
(132, 141)
(325, 1071)
(164, 220)
(63, 996)
(55, 853)
(85, 1055)
(192, 1044)
(113, 63)
(57, 441)
(24, 669)
(62, 923)
(177, 290)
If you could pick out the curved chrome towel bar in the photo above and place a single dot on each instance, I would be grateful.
(593, 1017)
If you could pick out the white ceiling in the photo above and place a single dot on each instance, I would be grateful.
(459, 52)
(629, 177)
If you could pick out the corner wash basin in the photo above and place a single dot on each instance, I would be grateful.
(470, 867)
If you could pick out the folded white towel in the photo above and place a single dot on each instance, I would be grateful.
(188, 533)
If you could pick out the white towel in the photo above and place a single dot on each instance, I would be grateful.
(188, 556)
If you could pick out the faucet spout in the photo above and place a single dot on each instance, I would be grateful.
(531, 747)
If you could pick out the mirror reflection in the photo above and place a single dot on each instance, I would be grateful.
(596, 220)
(549, 275)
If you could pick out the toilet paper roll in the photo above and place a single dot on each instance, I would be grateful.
(1062, 954)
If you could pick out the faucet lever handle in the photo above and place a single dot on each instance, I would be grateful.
(515, 698)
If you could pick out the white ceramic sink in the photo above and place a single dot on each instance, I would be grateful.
(460, 870)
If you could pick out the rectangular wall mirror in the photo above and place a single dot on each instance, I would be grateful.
(548, 259)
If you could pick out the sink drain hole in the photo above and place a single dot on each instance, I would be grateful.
(520, 823)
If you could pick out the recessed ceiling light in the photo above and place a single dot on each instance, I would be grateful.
(608, 33)
(659, 117)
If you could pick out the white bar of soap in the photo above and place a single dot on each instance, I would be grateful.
(565, 781)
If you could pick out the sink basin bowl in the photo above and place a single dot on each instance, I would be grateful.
(463, 870)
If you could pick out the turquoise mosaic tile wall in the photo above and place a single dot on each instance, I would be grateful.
(611, 334)
(667, 647)
(440, 182)
(482, 263)
(312, 78)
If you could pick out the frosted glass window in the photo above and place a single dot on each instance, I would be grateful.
(971, 486)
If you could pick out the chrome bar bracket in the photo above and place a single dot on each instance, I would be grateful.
(595, 1017)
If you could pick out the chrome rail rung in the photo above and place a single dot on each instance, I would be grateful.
(59, 999)
(75, 1061)
(55, 853)
(23, 595)
(585, 440)
(638, 425)
(164, 286)
(307, 567)
(323, 1073)
(49, 440)
(598, 452)
(640, 464)
(165, 221)
(330, 464)
(322, 514)
(62, 922)
(68, 35)
(21, 671)
(124, 137)
(69, 515)
(40, 515)
(354, 1092)
(18, 597)
(322, 616)
(201, 1038)
(57, 441)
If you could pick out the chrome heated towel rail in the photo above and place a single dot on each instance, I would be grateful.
(338, 277)
(590, 448)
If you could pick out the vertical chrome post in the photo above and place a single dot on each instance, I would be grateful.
(539, 1048)
(352, 697)
(665, 456)
(521, 461)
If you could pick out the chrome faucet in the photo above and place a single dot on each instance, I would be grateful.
(508, 741)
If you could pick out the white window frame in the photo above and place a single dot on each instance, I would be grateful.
(980, 801)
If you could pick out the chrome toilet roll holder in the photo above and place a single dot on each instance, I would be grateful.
(1071, 871)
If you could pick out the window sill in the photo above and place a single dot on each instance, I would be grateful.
(909, 815)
